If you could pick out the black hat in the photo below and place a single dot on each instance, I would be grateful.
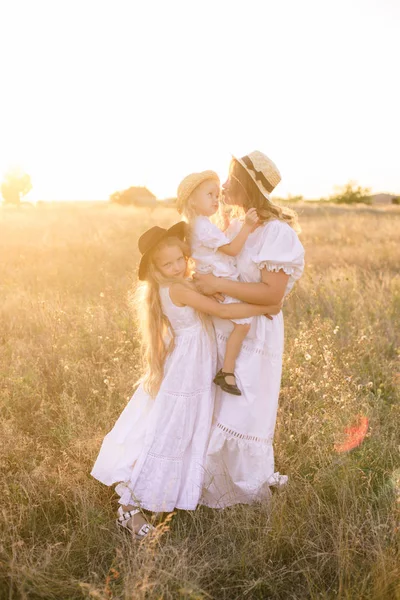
(150, 238)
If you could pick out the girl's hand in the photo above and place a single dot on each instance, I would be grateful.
(274, 310)
(206, 284)
(219, 297)
(251, 217)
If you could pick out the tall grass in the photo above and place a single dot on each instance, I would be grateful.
(68, 364)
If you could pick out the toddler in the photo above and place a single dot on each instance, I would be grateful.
(213, 252)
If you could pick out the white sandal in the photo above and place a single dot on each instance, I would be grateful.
(125, 517)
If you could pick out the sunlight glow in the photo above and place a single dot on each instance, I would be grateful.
(98, 95)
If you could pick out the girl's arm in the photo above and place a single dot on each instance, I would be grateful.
(181, 294)
(270, 291)
(236, 245)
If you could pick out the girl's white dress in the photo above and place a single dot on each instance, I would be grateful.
(156, 449)
(240, 457)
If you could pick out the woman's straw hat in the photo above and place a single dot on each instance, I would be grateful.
(149, 240)
(190, 183)
(262, 170)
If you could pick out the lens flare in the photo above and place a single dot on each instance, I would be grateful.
(354, 435)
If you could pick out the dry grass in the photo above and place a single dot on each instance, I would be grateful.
(68, 360)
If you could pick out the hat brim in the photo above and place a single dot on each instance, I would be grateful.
(178, 230)
(197, 179)
(258, 183)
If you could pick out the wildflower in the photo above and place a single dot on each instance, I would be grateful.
(101, 294)
(307, 356)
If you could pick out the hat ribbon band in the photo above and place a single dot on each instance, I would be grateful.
(259, 176)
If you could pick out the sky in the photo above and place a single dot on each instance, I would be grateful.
(99, 95)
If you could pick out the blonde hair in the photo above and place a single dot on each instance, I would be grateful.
(242, 185)
(156, 333)
(188, 212)
(187, 209)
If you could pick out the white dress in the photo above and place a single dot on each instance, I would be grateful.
(240, 457)
(156, 449)
(206, 239)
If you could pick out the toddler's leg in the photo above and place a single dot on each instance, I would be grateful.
(233, 346)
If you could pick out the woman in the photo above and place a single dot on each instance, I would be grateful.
(240, 459)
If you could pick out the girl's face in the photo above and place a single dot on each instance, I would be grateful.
(205, 198)
(171, 262)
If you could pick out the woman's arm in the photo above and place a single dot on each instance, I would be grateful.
(270, 291)
(181, 294)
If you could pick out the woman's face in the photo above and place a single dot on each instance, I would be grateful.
(227, 191)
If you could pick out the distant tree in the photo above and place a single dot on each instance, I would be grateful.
(396, 200)
(351, 193)
(290, 199)
(138, 196)
(15, 186)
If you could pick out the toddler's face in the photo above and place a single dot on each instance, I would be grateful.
(171, 262)
(205, 198)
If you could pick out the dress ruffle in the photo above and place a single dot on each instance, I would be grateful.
(292, 270)
(238, 469)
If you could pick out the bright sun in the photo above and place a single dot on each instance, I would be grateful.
(102, 96)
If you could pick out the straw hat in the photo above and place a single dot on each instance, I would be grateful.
(190, 183)
(150, 238)
(262, 170)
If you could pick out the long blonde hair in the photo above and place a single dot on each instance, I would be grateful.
(242, 185)
(156, 333)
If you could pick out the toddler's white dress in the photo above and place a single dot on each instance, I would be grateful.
(156, 449)
(206, 239)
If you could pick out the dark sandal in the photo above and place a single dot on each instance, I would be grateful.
(220, 380)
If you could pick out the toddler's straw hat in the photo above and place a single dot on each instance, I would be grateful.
(262, 170)
(190, 183)
(150, 238)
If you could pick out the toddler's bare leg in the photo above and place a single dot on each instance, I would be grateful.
(233, 346)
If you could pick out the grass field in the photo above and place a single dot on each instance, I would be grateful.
(69, 362)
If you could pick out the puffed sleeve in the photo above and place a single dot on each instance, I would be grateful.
(209, 235)
(280, 249)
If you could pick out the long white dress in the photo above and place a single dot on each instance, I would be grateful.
(240, 458)
(156, 449)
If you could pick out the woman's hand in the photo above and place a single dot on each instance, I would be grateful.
(206, 284)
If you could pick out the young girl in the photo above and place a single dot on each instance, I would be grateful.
(156, 449)
(213, 252)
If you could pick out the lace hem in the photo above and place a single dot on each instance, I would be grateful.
(186, 395)
(231, 433)
(168, 458)
(250, 349)
(287, 268)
